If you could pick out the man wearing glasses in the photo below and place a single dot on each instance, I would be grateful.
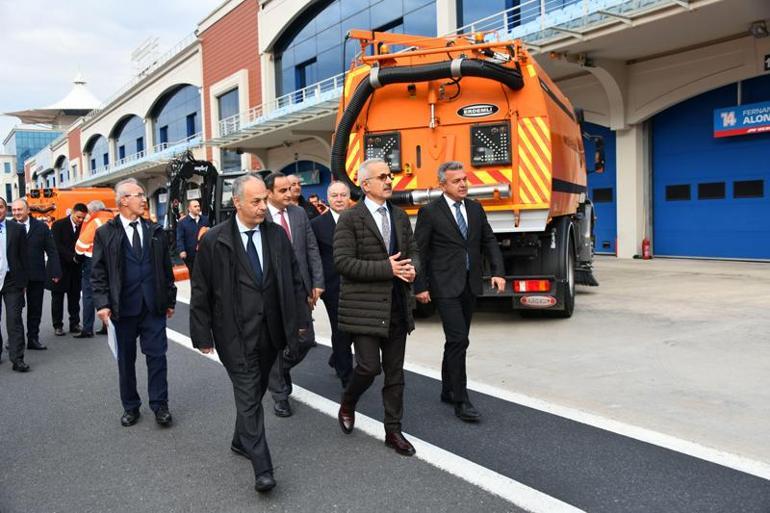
(133, 287)
(376, 256)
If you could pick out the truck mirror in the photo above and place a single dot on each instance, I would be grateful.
(598, 153)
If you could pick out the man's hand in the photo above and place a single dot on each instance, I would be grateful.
(169, 313)
(55, 280)
(498, 283)
(206, 350)
(317, 294)
(183, 254)
(402, 269)
(423, 297)
(103, 314)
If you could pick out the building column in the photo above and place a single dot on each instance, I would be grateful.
(149, 137)
(446, 16)
(633, 165)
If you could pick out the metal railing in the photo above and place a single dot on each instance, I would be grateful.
(160, 61)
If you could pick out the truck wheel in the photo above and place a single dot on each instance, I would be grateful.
(567, 268)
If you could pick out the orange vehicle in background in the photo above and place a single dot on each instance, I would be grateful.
(50, 205)
(417, 102)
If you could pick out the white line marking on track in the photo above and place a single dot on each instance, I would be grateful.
(517, 493)
(696, 450)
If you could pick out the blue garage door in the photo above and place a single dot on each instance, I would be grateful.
(711, 195)
(602, 190)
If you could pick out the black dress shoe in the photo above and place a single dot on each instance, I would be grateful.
(77, 328)
(84, 334)
(163, 417)
(466, 412)
(264, 482)
(395, 440)
(20, 366)
(35, 345)
(347, 417)
(282, 408)
(130, 417)
(240, 451)
(59, 332)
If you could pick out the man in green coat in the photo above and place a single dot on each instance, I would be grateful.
(376, 255)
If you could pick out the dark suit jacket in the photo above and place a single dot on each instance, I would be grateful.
(323, 227)
(305, 248)
(65, 239)
(16, 253)
(39, 245)
(107, 271)
(226, 302)
(187, 233)
(443, 249)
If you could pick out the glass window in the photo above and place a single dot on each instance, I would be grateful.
(172, 113)
(678, 192)
(7, 167)
(715, 190)
(8, 192)
(306, 54)
(749, 189)
(99, 151)
(127, 135)
(603, 195)
(228, 107)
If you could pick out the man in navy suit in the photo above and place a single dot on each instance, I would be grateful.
(187, 233)
(133, 287)
(453, 232)
(39, 245)
(323, 226)
(13, 281)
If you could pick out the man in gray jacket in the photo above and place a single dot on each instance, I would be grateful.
(296, 225)
(376, 256)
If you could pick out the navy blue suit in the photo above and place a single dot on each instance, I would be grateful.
(137, 290)
(40, 244)
(342, 357)
(187, 237)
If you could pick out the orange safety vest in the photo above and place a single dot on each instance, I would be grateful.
(85, 243)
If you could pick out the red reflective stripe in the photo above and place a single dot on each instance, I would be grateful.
(531, 285)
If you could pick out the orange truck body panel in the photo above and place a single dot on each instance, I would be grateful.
(544, 135)
(51, 205)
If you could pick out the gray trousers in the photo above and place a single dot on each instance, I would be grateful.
(280, 378)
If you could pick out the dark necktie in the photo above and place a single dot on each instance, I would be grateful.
(136, 242)
(463, 229)
(251, 252)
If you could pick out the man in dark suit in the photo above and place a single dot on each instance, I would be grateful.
(294, 221)
(323, 227)
(247, 302)
(452, 233)
(13, 280)
(133, 287)
(65, 234)
(376, 257)
(39, 245)
(187, 233)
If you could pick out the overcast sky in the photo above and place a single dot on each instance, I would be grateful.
(44, 43)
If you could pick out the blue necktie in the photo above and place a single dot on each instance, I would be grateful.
(251, 252)
(463, 229)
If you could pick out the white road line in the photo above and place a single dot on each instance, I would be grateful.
(726, 459)
(517, 493)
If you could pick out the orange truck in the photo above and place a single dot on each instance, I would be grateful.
(417, 102)
(53, 204)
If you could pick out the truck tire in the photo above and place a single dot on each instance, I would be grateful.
(566, 265)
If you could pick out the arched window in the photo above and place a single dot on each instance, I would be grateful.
(98, 154)
(129, 137)
(176, 117)
(311, 49)
(62, 169)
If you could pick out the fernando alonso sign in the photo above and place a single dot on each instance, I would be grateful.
(742, 120)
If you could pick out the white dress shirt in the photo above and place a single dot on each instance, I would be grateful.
(372, 206)
(256, 237)
(335, 216)
(130, 231)
(452, 209)
(275, 215)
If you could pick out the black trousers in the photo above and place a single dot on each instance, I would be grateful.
(150, 328)
(369, 365)
(35, 290)
(279, 382)
(190, 262)
(342, 355)
(14, 304)
(73, 303)
(456, 314)
(249, 386)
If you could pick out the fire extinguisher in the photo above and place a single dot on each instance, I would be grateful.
(646, 251)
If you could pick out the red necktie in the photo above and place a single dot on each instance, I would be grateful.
(285, 224)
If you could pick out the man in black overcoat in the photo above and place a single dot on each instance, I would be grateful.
(13, 281)
(65, 234)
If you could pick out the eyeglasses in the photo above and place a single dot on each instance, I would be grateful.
(135, 195)
(382, 177)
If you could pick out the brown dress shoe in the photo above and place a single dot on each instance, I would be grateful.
(395, 440)
(347, 417)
